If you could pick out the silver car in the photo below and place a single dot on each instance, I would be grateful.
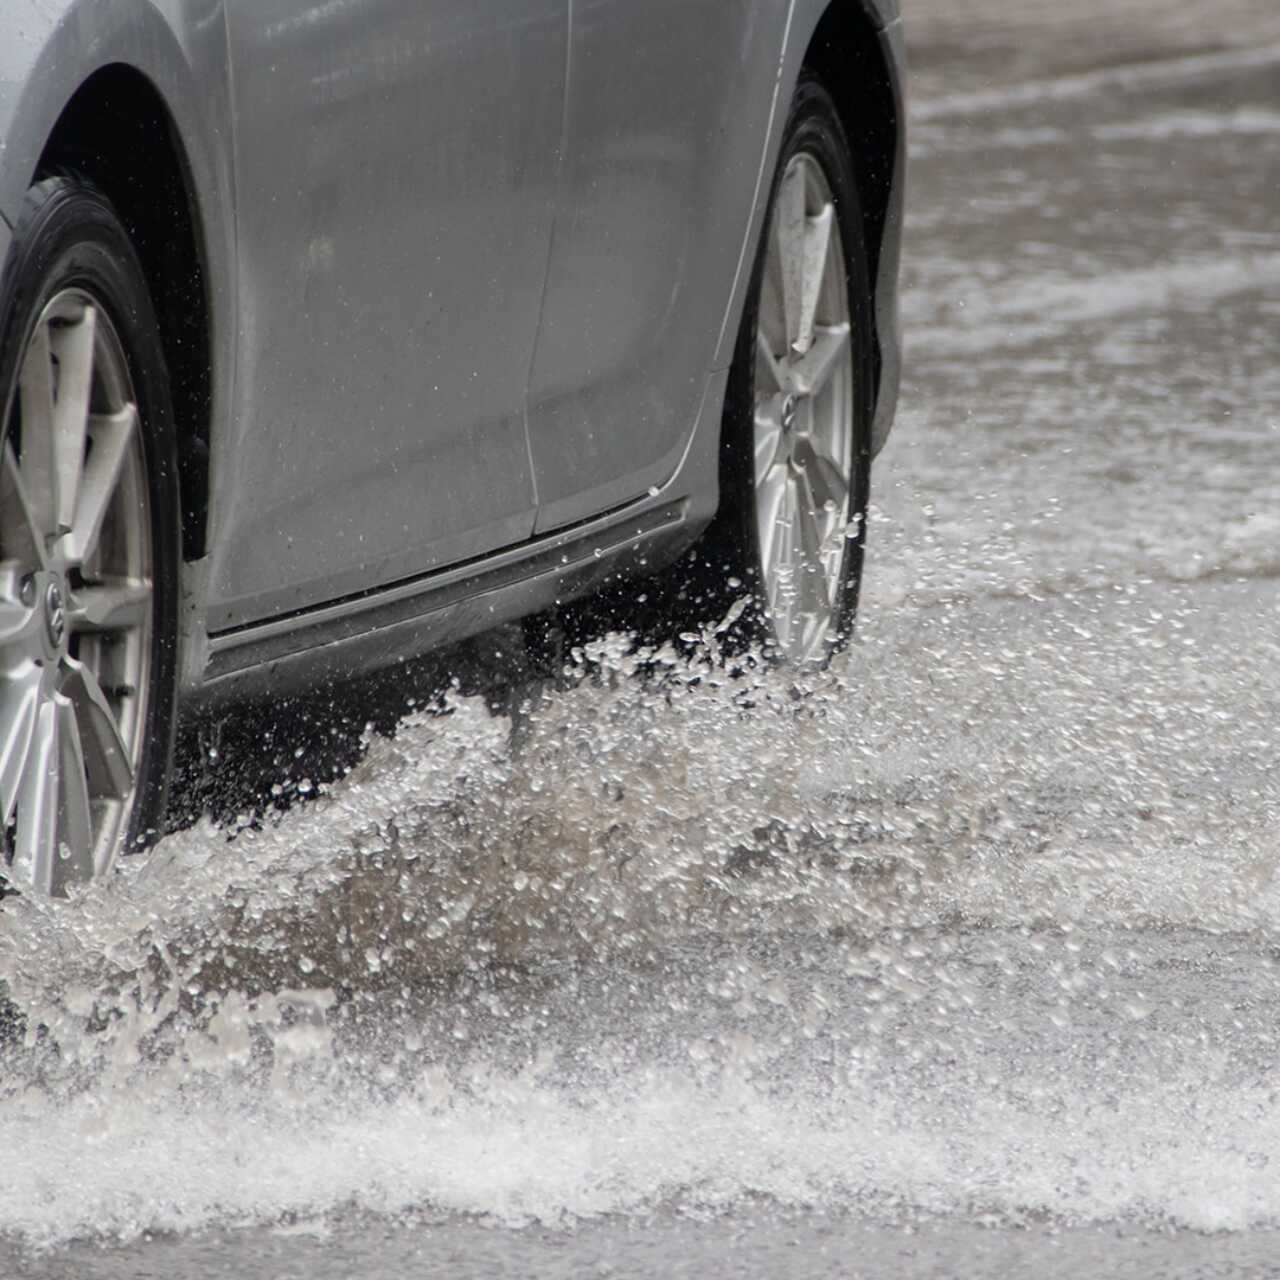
(335, 330)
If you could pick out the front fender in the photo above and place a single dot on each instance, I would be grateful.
(48, 48)
(803, 17)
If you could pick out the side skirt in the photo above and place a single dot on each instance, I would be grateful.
(363, 634)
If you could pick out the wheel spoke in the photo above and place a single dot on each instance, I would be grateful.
(824, 537)
(813, 590)
(831, 345)
(782, 582)
(789, 236)
(111, 604)
(815, 246)
(39, 466)
(105, 760)
(35, 851)
(112, 435)
(824, 479)
(767, 364)
(72, 347)
(21, 538)
(808, 520)
(771, 497)
(75, 816)
(767, 435)
(19, 703)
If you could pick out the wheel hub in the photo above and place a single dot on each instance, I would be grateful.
(790, 410)
(55, 615)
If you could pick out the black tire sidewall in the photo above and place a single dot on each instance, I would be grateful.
(813, 126)
(68, 236)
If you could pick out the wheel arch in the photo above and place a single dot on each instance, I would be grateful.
(133, 96)
(117, 133)
(857, 48)
(858, 57)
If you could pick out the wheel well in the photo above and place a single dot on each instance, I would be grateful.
(117, 133)
(845, 52)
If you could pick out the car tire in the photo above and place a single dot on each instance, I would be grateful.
(90, 545)
(737, 564)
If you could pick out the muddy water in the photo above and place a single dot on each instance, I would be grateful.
(961, 957)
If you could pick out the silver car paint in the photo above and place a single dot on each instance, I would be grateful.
(395, 196)
(183, 46)
(659, 208)
(664, 147)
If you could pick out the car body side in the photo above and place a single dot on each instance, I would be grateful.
(51, 48)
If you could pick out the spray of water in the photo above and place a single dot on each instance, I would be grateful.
(673, 935)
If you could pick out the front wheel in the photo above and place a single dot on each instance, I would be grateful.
(796, 453)
(89, 545)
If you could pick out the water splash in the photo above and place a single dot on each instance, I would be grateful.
(682, 939)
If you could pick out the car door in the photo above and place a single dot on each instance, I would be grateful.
(668, 112)
(395, 182)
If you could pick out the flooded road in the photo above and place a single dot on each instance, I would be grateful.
(961, 959)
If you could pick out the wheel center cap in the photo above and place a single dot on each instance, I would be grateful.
(790, 407)
(55, 614)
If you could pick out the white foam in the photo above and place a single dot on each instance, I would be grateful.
(1185, 1148)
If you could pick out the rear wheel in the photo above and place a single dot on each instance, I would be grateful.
(796, 433)
(89, 545)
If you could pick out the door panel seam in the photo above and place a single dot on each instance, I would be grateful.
(557, 203)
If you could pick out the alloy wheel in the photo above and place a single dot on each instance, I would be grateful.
(803, 414)
(76, 565)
